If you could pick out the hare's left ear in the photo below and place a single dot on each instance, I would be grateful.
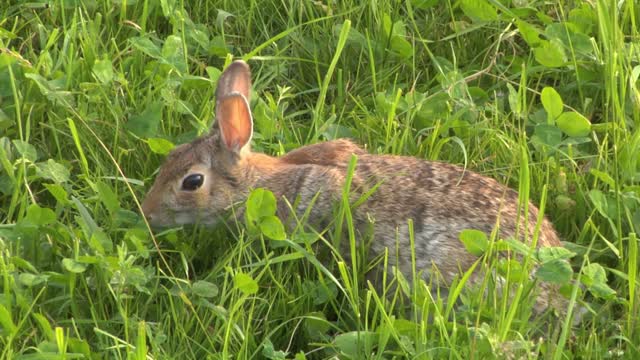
(236, 78)
(234, 122)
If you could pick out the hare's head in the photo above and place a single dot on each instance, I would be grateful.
(201, 179)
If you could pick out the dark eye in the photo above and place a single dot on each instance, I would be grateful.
(192, 182)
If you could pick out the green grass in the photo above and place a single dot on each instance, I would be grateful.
(93, 94)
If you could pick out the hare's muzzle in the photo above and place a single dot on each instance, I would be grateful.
(149, 207)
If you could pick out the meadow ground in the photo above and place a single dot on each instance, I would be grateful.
(543, 96)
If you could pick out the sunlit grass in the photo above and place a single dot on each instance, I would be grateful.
(93, 95)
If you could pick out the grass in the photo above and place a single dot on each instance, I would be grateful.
(94, 93)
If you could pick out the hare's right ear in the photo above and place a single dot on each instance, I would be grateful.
(235, 124)
(236, 78)
(233, 116)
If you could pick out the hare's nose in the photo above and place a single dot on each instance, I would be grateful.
(147, 212)
(149, 217)
(152, 219)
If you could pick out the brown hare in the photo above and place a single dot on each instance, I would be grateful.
(201, 180)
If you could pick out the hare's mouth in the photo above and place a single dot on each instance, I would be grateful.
(198, 218)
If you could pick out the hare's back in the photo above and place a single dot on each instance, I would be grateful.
(442, 197)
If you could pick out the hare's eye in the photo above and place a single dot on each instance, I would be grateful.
(192, 182)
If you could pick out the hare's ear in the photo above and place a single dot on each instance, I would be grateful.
(234, 122)
(236, 78)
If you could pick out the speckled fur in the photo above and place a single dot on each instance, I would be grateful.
(441, 199)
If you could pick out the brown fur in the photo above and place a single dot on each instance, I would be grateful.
(329, 153)
(441, 199)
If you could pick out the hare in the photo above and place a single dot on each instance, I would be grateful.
(201, 180)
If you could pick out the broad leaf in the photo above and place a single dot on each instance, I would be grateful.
(480, 10)
(173, 53)
(599, 200)
(108, 197)
(549, 253)
(550, 54)
(53, 171)
(475, 241)
(145, 124)
(204, 289)
(245, 283)
(574, 124)
(548, 134)
(146, 46)
(551, 101)
(73, 266)
(25, 149)
(269, 352)
(160, 146)
(261, 203)
(595, 278)
(40, 216)
(357, 344)
(556, 271)
(103, 71)
(529, 33)
(272, 228)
